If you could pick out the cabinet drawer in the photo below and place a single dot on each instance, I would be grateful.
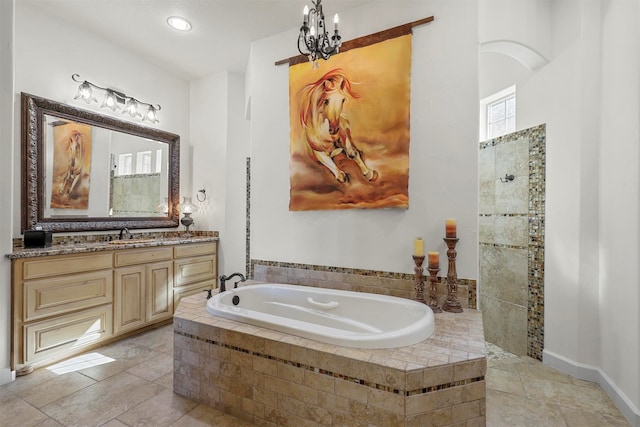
(65, 264)
(48, 338)
(197, 249)
(191, 270)
(141, 256)
(59, 295)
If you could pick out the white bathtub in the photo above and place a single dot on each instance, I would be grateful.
(350, 319)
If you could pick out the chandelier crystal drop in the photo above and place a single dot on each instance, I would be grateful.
(314, 41)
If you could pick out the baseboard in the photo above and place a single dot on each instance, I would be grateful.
(596, 375)
(7, 376)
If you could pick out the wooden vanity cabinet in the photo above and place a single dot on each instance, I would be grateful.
(66, 304)
(60, 303)
(143, 280)
(196, 268)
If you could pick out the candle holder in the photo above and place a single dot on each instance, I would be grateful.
(452, 304)
(419, 280)
(433, 297)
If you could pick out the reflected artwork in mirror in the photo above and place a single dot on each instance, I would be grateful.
(84, 171)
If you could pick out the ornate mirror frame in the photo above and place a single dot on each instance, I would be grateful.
(33, 169)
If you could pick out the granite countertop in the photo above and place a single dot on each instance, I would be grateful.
(84, 247)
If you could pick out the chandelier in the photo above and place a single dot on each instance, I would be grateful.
(314, 41)
(116, 101)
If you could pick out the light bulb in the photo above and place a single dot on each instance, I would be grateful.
(132, 108)
(110, 101)
(85, 93)
(151, 115)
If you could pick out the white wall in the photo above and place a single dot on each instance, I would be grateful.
(6, 177)
(620, 197)
(220, 137)
(443, 163)
(47, 53)
(588, 97)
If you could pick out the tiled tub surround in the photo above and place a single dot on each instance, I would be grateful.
(511, 240)
(270, 378)
(358, 280)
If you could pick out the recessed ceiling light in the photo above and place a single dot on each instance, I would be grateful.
(179, 23)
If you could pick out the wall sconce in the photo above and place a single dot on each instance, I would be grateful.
(187, 209)
(116, 101)
(201, 196)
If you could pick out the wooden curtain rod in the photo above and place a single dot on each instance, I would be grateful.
(363, 41)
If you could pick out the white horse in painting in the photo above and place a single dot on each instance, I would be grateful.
(326, 129)
(75, 157)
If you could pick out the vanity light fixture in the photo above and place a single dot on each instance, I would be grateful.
(313, 40)
(179, 23)
(116, 101)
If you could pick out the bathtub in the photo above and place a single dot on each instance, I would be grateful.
(349, 319)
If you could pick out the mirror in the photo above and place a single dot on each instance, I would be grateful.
(84, 171)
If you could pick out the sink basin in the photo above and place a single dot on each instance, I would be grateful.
(130, 241)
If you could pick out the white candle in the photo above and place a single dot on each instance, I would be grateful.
(335, 22)
(418, 247)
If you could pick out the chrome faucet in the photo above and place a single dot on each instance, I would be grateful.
(123, 231)
(224, 278)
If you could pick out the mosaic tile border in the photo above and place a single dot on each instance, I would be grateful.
(382, 387)
(471, 284)
(499, 245)
(247, 255)
(536, 215)
(107, 237)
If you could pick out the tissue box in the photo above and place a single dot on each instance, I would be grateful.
(37, 238)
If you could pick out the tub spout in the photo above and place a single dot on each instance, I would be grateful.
(224, 278)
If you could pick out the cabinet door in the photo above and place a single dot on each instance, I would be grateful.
(159, 291)
(129, 304)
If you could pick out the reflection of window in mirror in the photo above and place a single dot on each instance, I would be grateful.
(159, 160)
(125, 166)
(143, 162)
(498, 114)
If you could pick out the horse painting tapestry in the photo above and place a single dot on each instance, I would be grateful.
(349, 129)
(71, 166)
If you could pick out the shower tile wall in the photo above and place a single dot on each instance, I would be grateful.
(511, 243)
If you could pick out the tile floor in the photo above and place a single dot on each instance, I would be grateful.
(130, 384)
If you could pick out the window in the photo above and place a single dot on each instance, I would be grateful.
(159, 161)
(498, 114)
(125, 164)
(501, 117)
(143, 162)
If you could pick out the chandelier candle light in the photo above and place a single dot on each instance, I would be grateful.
(313, 40)
(418, 258)
(115, 101)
